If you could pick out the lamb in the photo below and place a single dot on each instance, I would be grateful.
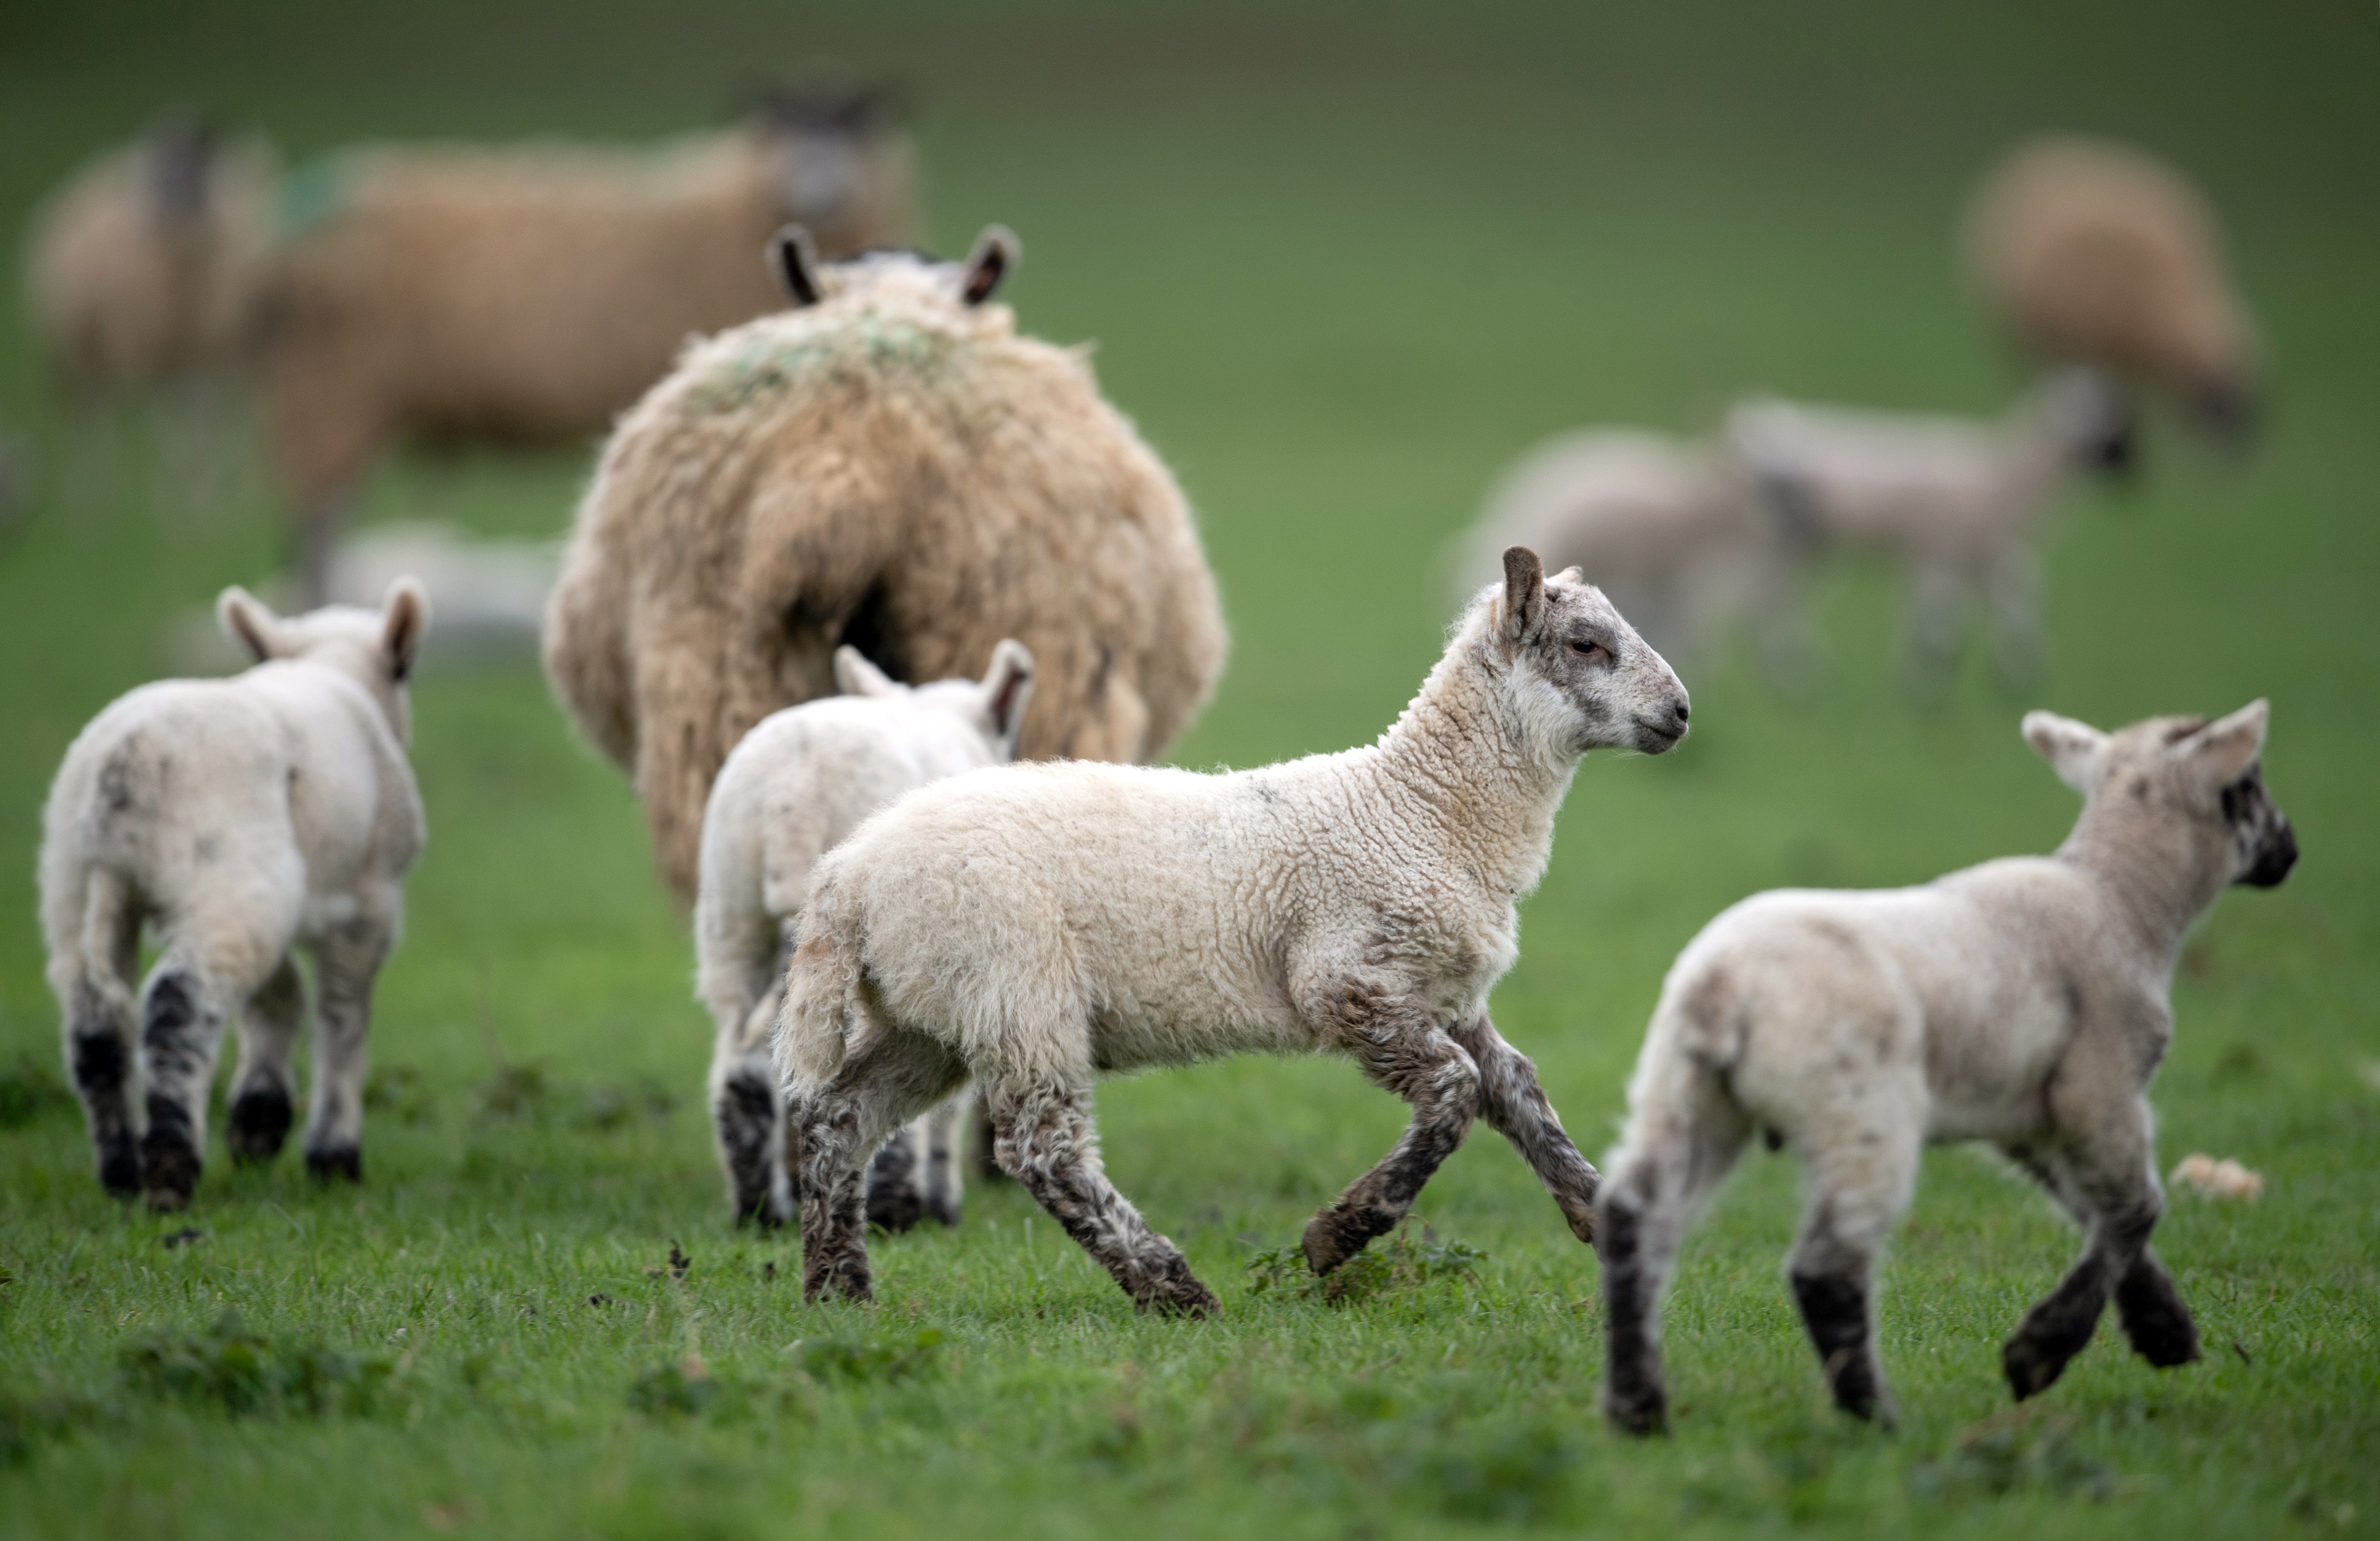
(887, 466)
(534, 292)
(1669, 534)
(2024, 1002)
(1032, 926)
(2095, 253)
(797, 783)
(1956, 500)
(238, 819)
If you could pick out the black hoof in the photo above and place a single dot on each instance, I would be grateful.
(169, 1172)
(895, 1206)
(2030, 1368)
(342, 1161)
(1642, 1414)
(119, 1168)
(259, 1125)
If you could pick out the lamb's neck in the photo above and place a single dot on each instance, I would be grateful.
(2157, 887)
(1493, 799)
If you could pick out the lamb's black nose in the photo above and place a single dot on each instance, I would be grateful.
(1681, 709)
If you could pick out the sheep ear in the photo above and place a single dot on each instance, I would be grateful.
(1524, 596)
(251, 621)
(996, 251)
(1570, 574)
(793, 257)
(859, 677)
(404, 621)
(2071, 748)
(2223, 752)
(1007, 688)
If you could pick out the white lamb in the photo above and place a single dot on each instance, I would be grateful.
(2024, 1002)
(1032, 926)
(238, 818)
(1956, 500)
(790, 790)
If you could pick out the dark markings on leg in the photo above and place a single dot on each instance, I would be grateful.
(2055, 1330)
(1046, 1142)
(101, 1061)
(1400, 1050)
(894, 1202)
(2153, 1314)
(335, 1163)
(1634, 1397)
(1834, 1309)
(259, 1124)
(835, 1237)
(171, 1038)
(1516, 1107)
(745, 1118)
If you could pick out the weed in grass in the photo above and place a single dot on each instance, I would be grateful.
(869, 1360)
(517, 1090)
(608, 1107)
(679, 1390)
(398, 1092)
(2022, 1449)
(242, 1374)
(26, 1420)
(31, 1092)
(1400, 1264)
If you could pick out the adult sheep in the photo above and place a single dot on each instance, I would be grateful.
(887, 465)
(2092, 253)
(533, 292)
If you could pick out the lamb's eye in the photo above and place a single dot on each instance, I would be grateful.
(1584, 648)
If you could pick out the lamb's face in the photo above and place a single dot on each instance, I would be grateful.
(2204, 779)
(1579, 675)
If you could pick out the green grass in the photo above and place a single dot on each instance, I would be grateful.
(1341, 264)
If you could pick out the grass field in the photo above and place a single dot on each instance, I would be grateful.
(1341, 264)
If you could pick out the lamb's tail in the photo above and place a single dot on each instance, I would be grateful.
(822, 985)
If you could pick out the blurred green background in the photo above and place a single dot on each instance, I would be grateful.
(1341, 263)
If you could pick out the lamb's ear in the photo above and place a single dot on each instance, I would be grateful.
(249, 621)
(1007, 689)
(404, 621)
(996, 251)
(2222, 752)
(859, 677)
(1570, 574)
(794, 259)
(2071, 748)
(1524, 596)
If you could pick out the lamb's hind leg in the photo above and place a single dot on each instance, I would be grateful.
(1046, 1141)
(348, 961)
(748, 1116)
(1400, 1049)
(95, 975)
(1683, 1136)
(1515, 1106)
(263, 1088)
(1860, 1163)
(886, 1079)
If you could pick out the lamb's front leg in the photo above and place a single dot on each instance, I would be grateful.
(1516, 1107)
(1400, 1049)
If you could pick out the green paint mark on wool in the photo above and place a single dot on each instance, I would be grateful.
(766, 362)
(311, 195)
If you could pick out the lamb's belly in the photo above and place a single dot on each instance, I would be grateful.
(1127, 1041)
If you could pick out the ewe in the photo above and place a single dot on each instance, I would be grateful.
(1664, 525)
(1955, 499)
(141, 271)
(2024, 1001)
(535, 291)
(890, 467)
(2092, 253)
(238, 818)
(792, 790)
(1034, 925)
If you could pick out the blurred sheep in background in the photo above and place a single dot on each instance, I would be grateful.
(2093, 253)
(1955, 500)
(533, 292)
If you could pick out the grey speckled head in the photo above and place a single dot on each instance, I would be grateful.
(2210, 774)
(1582, 677)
